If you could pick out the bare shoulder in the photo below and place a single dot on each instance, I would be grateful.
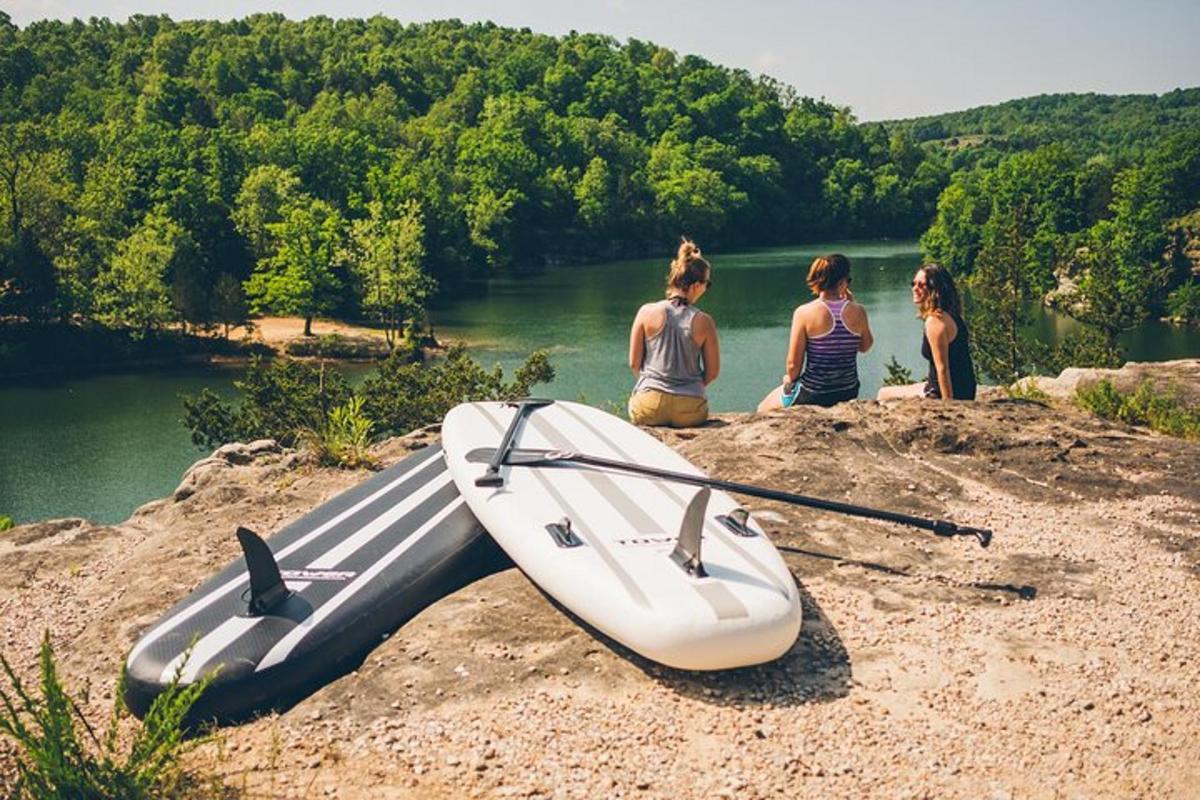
(807, 311)
(648, 309)
(937, 324)
(702, 321)
(855, 311)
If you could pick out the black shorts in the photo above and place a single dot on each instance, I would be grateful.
(803, 397)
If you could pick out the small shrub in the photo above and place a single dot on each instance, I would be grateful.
(897, 374)
(1027, 389)
(59, 755)
(1159, 411)
(344, 438)
(401, 396)
(6, 523)
(280, 399)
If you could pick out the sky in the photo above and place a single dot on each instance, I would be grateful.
(885, 59)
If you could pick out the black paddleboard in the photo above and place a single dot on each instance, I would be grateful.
(308, 605)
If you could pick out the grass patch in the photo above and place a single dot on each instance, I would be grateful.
(1027, 389)
(344, 439)
(1158, 410)
(60, 755)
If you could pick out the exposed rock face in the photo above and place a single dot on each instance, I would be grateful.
(1065, 296)
(1183, 250)
(920, 670)
(1181, 376)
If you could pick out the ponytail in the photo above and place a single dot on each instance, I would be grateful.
(688, 268)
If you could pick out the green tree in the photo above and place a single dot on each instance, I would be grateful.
(229, 302)
(301, 276)
(386, 255)
(133, 293)
(264, 196)
(1002, 298)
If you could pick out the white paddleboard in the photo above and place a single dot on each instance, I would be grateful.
(612, 565)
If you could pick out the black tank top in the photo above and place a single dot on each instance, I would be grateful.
(962, 370)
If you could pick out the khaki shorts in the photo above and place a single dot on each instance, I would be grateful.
(653, 407)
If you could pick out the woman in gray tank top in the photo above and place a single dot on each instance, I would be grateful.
(673, 348)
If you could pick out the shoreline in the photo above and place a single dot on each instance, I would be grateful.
(270, 338)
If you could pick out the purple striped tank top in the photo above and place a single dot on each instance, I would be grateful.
(831, 360)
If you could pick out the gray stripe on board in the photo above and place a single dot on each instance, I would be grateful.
(722, 605)
(723, 601)
(412, 512)
(285, 645)
(712, 527)
(421, 506)
(642, 522)
(624, 577)
(216, 594)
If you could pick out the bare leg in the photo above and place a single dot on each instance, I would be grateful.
(771, 401)
(901, 392)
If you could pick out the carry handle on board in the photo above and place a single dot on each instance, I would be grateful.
(560, 458)
(491, 476)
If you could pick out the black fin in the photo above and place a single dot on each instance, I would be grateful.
(267, 588)
(687, 550)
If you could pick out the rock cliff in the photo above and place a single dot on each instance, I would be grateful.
(1061, 661)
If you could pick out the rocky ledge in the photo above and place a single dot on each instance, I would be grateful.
(1061, 661)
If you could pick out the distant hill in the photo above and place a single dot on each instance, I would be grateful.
(1126, 124)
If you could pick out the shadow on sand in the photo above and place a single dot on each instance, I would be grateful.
(815, 670)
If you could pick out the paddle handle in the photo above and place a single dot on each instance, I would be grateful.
(491, 476)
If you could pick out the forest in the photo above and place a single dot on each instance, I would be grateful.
(157, 173)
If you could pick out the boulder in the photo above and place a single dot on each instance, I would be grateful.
(1181, 376)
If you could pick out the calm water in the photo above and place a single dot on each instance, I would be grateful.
(99, 447)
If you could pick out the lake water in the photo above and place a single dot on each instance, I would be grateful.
(99, 447)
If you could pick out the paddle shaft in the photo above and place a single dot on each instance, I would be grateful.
(940, 527)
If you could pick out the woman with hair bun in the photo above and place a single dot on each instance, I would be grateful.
(673, 349)
(945, 343)
(827, 335)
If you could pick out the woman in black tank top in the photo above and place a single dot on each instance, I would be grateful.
(945, 343)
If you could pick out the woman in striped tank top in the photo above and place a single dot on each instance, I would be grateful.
(827, 335)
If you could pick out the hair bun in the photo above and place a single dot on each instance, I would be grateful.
(687, 250)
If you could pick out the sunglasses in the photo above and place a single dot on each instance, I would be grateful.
(919, 284)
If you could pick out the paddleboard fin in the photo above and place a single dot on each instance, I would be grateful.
(267, 588)
(562, 533)
(737, 521)
(687, 550)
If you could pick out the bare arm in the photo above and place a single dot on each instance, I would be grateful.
(710, 350)
(938, 333)
(637, 344)
(797, 340)
(862, 326)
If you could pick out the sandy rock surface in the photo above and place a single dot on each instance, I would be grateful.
(1061, 662)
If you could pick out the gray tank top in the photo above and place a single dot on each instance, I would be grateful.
(672, 360)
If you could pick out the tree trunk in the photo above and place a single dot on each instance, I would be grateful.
(308, 326)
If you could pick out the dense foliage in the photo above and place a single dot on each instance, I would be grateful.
(149, 170)
(293, 401)
(1016, 229)
(1120, 125)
